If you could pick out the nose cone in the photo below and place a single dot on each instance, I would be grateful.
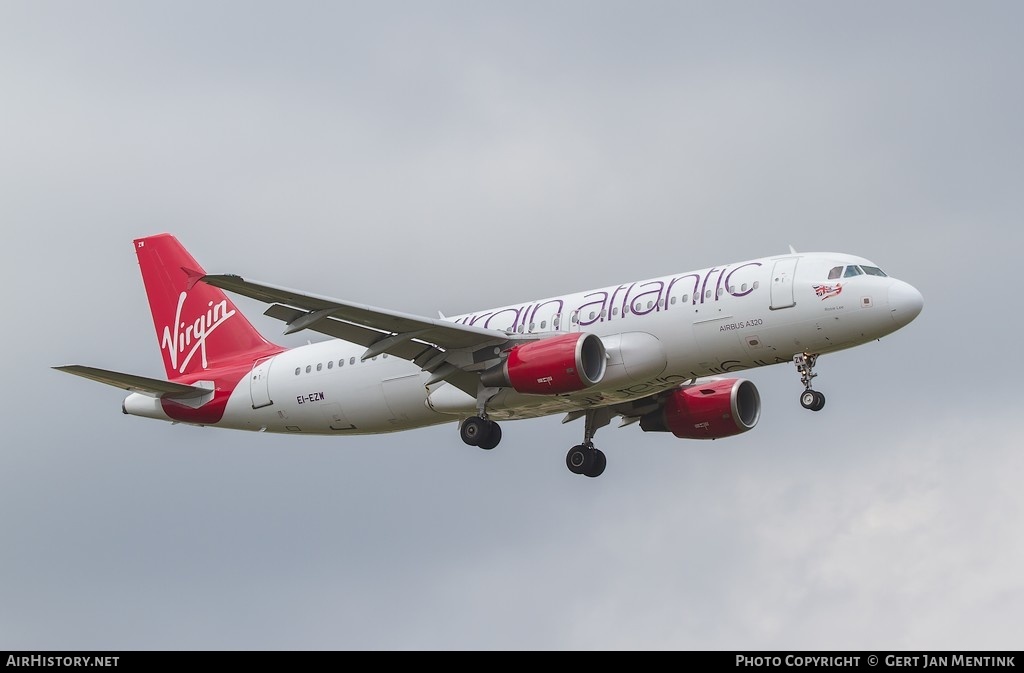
(905, 302)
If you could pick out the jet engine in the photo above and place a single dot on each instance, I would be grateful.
(709, 410)
(552, 366)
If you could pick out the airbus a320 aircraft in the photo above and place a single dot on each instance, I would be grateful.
(658, 352)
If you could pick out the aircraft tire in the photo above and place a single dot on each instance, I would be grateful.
(599, 462)
(473, 430)
(578, 459)
(492, 438)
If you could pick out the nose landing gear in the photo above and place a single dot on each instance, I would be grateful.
(812, 399)
(809, 399)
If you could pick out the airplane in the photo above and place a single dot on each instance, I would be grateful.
(661, 352)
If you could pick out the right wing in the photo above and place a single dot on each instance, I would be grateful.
(450, 351)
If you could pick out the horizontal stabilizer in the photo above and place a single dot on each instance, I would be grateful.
(136, 384)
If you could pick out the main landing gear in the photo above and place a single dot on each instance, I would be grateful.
(584, 458)
(809, 399)
(480, 432)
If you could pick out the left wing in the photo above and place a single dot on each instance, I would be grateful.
(137, 384)
(448, 350)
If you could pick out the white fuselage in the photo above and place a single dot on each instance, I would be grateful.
(658, 334)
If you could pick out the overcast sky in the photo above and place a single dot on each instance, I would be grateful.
(452, 156)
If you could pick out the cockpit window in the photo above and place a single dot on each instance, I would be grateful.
(852, 271)
(836, 272)
(873, 271)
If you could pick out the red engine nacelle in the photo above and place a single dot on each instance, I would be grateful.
(552, 366)
(707, 411)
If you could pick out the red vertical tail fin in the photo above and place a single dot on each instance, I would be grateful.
(197, 326)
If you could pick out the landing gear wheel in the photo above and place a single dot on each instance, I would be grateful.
(492, 438)
(813, 400)
(586, 460)
(599, 463)
(474, 430)
(578, 459)
(809, 399)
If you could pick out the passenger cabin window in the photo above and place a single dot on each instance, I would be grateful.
(297, 370)
(319, 366)
(351, 361)
(836, 272)
(852, 271)
(330, 364)
(309, 368)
